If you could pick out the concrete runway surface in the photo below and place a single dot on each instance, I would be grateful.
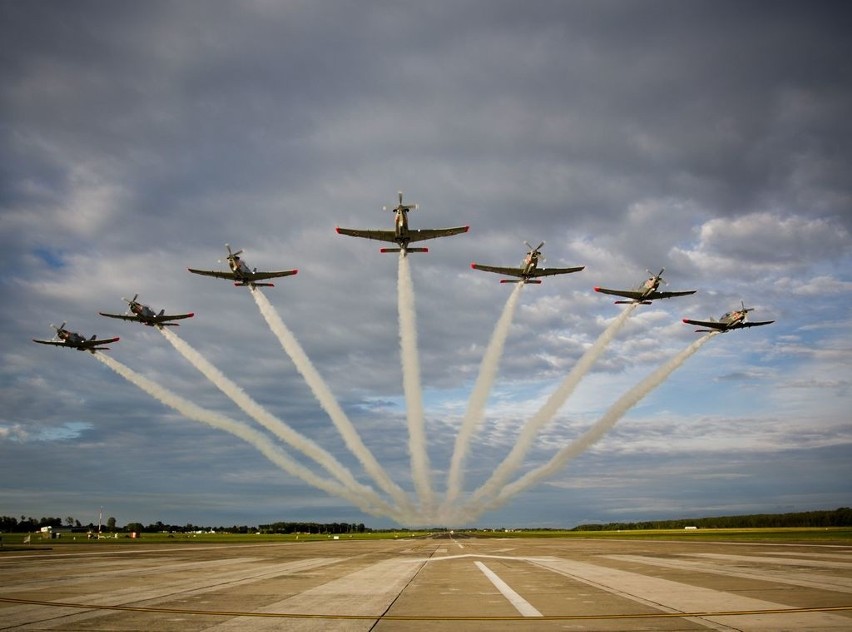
(429, 584)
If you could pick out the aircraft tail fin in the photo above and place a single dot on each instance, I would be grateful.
(406, 250)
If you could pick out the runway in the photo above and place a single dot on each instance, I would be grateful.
(429, 584)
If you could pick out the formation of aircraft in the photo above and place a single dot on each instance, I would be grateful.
(147, 316)
(402, 235)
(528, 272)
(73, 340)
(646, 292)
(241, 274)
(737, 319)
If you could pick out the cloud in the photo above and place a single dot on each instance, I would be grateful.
(762, 243)
(139, 139)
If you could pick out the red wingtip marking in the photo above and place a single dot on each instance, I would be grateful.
(191, 314)
(686, 321)
(338, 230)
(473, 265)
(597, 289)
(295, 272)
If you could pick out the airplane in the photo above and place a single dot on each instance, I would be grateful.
(529, 270)
(401, 234)
(147, 316)
(646, 292)
(73, 340)
(728, 322)
(240, 273)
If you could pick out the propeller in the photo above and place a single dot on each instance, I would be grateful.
(409, 207)
(535, 252)
(130, 302)
(658, 277)
(231, 255)
(58, 329)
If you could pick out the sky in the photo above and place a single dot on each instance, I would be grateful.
(711, 139)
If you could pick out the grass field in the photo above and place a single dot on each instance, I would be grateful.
(840, 535)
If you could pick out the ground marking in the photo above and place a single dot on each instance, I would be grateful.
(521, 605)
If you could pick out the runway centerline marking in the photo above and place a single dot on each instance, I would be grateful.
(523, 606)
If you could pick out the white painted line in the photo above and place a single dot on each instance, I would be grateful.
(523, 606)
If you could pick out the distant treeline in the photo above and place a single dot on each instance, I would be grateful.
(9, 524)
(25, 525)
(841, 517)
(313, 527)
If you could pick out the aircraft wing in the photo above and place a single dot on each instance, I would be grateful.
(56, 343)
(498, 269)
(94, 343)
(260, 276)
(624, 293)
(166, 317)
(540, 272)
(751, 324)
(637, 296)
(214, 273)
(712, 324)
(122, 316)
(656, 295)
(380, 235)
(432, 233)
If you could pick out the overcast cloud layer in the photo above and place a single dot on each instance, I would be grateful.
(709, 138)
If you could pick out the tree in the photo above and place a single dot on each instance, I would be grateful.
(111, 523)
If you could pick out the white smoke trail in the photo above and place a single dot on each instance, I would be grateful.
(479, 397)
(597, 431)
(420, 470)
(241, 430)
(328, 402)
(548, 411)
(269, 421)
